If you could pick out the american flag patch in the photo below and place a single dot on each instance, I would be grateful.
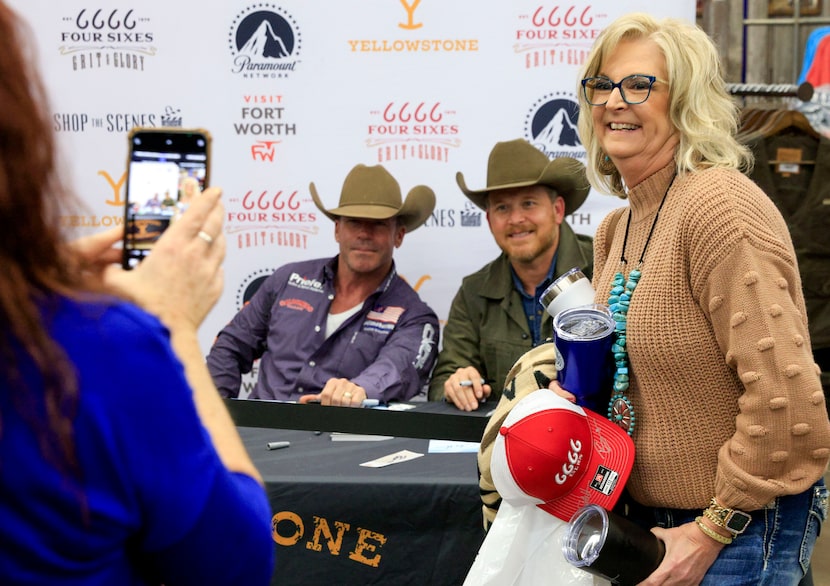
(387, 315)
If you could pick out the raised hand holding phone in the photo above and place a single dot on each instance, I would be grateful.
(182, 279)
(166, 169)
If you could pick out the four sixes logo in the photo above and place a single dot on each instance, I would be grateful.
(107, 38)
(265, 42)
(558, 34)
(413, 129)
(269, 217)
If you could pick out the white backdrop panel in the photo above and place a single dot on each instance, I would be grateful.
(424, 87)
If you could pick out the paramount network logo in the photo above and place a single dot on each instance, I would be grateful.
(551, 126)
(264, 42)
(249, 285)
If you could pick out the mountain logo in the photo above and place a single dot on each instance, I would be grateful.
(264, 42)
(551, 125)
(249, 285)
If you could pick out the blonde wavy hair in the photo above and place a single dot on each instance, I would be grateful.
(700, 107)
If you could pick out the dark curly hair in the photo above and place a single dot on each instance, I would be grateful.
(34, 265)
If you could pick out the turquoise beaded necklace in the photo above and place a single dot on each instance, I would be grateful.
(620, 409)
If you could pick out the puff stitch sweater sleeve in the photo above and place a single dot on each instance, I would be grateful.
(746, 281)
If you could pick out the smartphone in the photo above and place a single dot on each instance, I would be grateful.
(166, 168)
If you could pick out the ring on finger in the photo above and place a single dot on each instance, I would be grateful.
(347, 395)
(205, 236)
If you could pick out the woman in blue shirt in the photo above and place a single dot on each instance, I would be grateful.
(119, 463)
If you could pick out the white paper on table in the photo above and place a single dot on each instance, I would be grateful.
(452, 447)
(396, 458)
(397, 406)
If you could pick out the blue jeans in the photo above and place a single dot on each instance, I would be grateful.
(774, 550)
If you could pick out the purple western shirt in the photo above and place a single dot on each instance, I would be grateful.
(388, 347)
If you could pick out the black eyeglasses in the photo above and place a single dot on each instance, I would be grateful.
(634, 89)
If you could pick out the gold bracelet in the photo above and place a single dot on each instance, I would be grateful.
(732, 520)
(710, 514)
(709, 532)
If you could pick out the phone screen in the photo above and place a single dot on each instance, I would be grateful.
(167, 167)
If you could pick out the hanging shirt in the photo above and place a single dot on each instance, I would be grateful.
(810, 48)
(801, 192)
(819, 72)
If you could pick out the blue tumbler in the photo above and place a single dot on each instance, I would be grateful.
(583, 336)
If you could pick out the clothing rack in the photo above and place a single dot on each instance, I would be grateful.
(803, 91)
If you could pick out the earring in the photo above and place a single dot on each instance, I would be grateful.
(606, 166)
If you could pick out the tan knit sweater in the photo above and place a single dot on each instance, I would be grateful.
(726, 395)
(727, 398)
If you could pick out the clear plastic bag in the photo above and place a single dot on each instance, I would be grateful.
(524, 548)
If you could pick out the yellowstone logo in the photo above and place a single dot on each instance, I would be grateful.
(264, 43)
(411, 24)
(551, 126)
(250, 285)
(557, 36)
(106, 39)
(116, 184)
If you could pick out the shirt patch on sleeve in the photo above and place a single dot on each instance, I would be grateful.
(382, 318)
(428, 339)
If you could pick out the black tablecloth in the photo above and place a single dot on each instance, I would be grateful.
(338, 523)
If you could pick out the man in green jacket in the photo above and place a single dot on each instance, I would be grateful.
(496, 315)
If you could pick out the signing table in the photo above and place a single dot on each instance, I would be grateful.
(334, 521)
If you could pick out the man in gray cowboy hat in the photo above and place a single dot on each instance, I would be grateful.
(344, 329)
(496, 315)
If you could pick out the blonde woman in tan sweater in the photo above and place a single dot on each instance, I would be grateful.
(715, 381)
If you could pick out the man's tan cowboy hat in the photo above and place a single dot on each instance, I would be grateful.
(372, 192)
(517, 163)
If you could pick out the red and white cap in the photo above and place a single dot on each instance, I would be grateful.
(560, 457)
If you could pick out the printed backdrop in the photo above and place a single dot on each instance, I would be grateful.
(302, 90)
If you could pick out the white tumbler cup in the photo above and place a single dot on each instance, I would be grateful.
(570, 290)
